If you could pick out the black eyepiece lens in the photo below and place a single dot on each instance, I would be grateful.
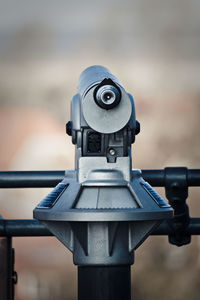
(107, 96)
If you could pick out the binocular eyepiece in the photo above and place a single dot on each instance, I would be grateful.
(107, 95)
(104, 105)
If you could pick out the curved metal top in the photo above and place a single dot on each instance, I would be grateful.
(92, 76)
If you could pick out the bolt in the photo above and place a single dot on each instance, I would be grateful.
(112, 151)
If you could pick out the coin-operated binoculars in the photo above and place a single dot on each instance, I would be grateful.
(102, 211)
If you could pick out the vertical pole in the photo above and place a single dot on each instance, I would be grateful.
(104, 283)
(6, 269)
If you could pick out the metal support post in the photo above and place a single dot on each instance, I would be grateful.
(8, 277)
(104, 282)
(176, 188)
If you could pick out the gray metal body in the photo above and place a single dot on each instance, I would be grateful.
(102, 210)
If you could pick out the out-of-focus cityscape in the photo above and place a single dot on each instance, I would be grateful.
(153, 48)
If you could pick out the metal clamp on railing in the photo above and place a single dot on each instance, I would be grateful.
(176, 189)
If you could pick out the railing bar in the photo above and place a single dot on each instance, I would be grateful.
(35, 228)
(41, 179)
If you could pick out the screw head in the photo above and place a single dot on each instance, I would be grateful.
(112, 151)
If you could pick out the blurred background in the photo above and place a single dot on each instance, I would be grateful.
(153, 47)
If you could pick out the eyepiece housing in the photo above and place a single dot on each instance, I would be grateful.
(107, 96)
